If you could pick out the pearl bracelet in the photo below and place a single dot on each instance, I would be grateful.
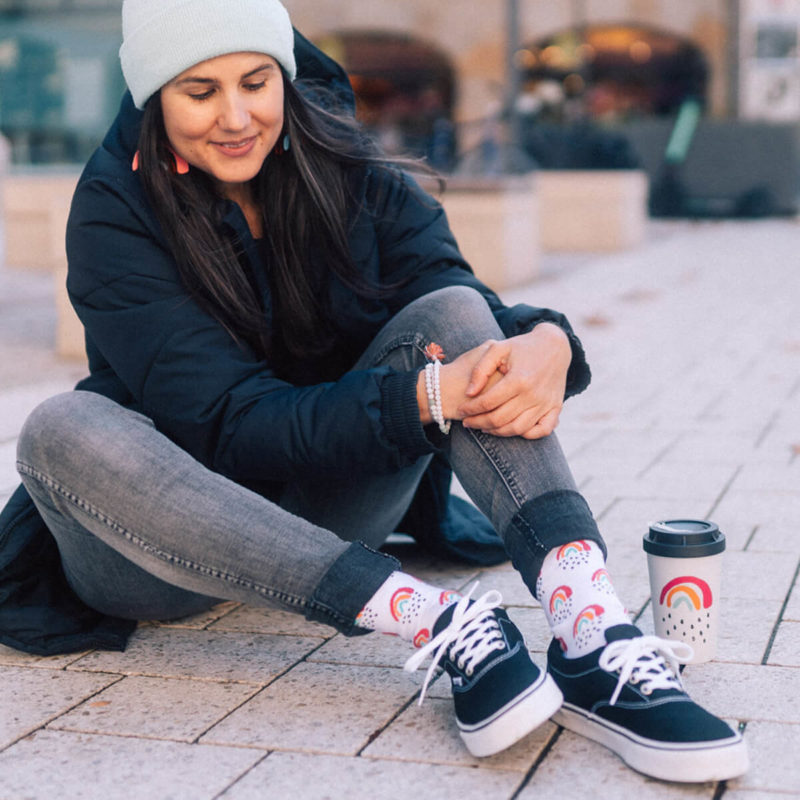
(434, 391)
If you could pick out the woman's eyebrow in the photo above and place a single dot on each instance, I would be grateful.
(198, 79)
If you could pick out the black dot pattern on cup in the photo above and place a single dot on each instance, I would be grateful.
(687, 629)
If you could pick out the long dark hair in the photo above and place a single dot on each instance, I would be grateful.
(303, 195)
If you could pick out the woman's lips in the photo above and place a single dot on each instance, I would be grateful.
(236, 149)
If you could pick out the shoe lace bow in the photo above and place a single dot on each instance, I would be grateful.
(648, 660)
(472, 634)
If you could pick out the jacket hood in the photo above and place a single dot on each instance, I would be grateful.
(313, 67)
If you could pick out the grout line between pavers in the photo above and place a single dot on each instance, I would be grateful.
(243, 775)
(724, 491)
(750, 538)
(770, 424)
(658, 456)
(545, 751)
(774, 633)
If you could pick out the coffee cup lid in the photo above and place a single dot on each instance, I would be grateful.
(684, 538)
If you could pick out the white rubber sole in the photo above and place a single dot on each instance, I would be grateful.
(681, 762)
(516, 719)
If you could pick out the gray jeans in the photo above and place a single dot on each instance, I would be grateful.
(147, 532)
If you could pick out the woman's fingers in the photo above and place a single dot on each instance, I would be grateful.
(490, 362)
(514, 420)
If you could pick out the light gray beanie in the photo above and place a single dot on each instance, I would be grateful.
(162, 38)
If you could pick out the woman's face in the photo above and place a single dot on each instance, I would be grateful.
(225, 115)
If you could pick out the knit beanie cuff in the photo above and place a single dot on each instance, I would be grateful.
(162, 38)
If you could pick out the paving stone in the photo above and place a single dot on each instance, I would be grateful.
(745, 628)
(746, 692)
(373, 650)
(323, 777)
(10, 657)
(773, 750)
(55, 764)
(510, 585)
(533, 625)
(322, 708)
(786, 647)
(769, 476)
(759, 576)
(175, 653)
(32, 697)
(156, 708)
(792, 610)
(250, 619)
(577, 767)
(428, 733)
(773, 516)
(199, 621)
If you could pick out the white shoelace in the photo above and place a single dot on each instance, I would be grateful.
(648, 660)
(472, 634)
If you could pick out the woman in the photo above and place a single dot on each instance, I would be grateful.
(281, 333)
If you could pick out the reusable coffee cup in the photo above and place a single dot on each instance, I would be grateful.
(684, 559)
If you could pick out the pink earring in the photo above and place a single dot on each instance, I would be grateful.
(181, 166)
(135, 162)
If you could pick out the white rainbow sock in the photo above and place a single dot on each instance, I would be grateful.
(406, 607)
(578, 597)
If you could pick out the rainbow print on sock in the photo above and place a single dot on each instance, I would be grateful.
(422, 637)
(686, 590)
(448, 596)
(576, 547)
(399, 601)
(601, 578)
(559, 598)
(586, 617)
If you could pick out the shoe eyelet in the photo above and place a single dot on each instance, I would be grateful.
(633, 680)
(646, 690)
(468, 672)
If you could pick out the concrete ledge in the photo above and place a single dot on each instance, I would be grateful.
(597, 210)
(494, 222)
(33, 208)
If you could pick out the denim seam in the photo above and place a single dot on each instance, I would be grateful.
(145, 546)
(503, 470)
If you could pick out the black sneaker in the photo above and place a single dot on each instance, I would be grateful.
(500, 695)
(629, 697)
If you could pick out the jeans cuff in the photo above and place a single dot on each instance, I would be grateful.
(545, 522)
(347, 586)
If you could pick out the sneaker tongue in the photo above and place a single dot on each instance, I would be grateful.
(624, 631)
(443, 619)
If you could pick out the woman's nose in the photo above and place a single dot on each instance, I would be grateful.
(234, 115)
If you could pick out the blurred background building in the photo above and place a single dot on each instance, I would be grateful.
(692, 91)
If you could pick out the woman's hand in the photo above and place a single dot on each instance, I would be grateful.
(513, 387)
(527, 398)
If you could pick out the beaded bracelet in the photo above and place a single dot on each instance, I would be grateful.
(434, 391)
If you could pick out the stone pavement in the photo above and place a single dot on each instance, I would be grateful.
(694, 340)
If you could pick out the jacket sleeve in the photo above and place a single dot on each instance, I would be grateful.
(418, 248)
(210, 395)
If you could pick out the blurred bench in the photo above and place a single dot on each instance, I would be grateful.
(592, 210)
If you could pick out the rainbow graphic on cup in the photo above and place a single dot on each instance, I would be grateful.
(586, 617)
(688, 590)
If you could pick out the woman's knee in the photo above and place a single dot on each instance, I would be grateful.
(61, 426)
(459, 314)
